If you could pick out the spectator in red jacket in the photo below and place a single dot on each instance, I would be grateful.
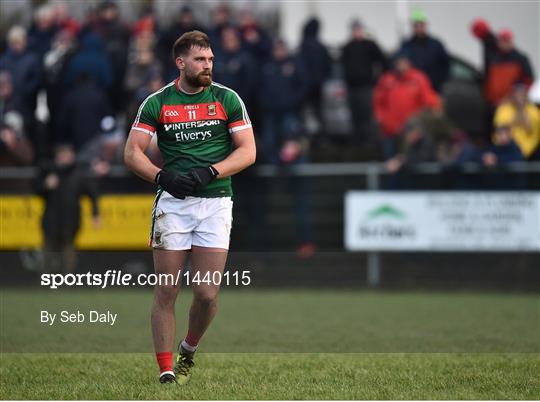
(400, 94)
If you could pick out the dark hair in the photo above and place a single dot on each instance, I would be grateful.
(188, 40)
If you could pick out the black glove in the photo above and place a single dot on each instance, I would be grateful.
(178, 186)
(203, 176)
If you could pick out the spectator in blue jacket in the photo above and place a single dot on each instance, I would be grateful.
(318, 64)
(183, 22)
(496, 156)
(282, 90)
(42, 31)
(255, 39)
(503, 150)
(221, 19)
(90, 59)
(283, 87)
(25, 70)
(82, 110)
(257, 42)
(15, 148)
(8, 100)
(235, 68)
(426, 52)
(114, 33)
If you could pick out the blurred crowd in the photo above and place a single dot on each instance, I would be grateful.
(103, 66)
(70, 88)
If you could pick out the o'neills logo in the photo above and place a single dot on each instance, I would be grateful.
(212, 110)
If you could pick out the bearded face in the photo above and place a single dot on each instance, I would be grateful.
(196, 67)
(201, 79)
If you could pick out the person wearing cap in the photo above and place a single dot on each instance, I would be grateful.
(523, 120)
(504, 67)
(427, 53)
(363, 61)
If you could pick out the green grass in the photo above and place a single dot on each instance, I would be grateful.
(338, 344)
(297, 321)
(275, 376)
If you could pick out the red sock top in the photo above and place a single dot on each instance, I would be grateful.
(193, 339)
(164, 360)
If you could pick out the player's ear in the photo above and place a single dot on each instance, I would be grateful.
(180, 63)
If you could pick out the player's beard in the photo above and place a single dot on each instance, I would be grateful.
(203, 79)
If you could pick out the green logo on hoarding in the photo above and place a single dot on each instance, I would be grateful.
(385, 210)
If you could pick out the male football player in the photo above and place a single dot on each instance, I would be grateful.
(205, 136)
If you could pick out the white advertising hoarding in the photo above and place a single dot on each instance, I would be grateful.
(442, 221)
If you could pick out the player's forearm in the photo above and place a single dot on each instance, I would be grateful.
(138, 163)
(238, 160)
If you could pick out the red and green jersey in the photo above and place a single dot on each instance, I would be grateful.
(194, 130)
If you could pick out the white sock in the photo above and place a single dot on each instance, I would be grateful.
(188, 347)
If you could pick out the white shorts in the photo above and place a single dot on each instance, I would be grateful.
(179, 224)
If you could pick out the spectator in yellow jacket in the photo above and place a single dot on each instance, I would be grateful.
(524, 120)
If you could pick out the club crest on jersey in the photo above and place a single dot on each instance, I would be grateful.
(212, 109)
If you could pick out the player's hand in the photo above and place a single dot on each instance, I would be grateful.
(178, 186)
(203, 176)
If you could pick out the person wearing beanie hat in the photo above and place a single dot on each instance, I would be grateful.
(505, 35)
(505, 40)
(418, 15)
(427, 53)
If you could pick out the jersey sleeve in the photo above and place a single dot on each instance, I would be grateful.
(237, 116)
(147, 116)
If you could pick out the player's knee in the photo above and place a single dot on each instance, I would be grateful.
(206, 299)
(166, 294)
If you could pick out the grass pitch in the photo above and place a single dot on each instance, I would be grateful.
(377, 345)
(275, 376)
